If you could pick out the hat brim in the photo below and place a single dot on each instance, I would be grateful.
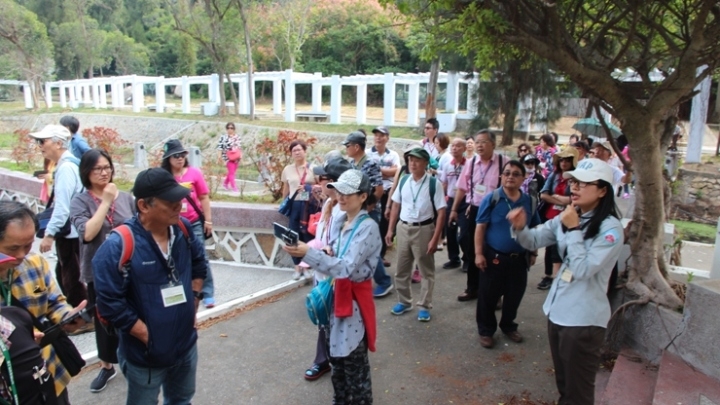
(170, 153)
(377, 130)
(319, 171)
(581, 175)
(343, 188)
(417, 155)
(174, 194)
(6, 259)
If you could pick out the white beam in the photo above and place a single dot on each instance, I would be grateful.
(185, 95)
(63, 95)
(317, 93)
(452, 92)
(138, 96)
(27, 91)
(277, 96)
(698, 118)
(48, 94)
(103, 95)
(95, 88)
(160, 95)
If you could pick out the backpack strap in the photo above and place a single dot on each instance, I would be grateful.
(403, 180)
(183, 228)
(128, 247)
(500, 166)
(433, 186)
(495, 198)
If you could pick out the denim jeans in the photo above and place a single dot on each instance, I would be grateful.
(208, 286)
(380, 276)
(177, 381)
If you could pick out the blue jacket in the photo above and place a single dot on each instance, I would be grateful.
(78, 145)
(171, 330)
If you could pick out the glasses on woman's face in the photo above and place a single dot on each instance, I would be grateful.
(523, 150)
(229, 128)
(100, 169)
(581, 184)
(179, 156)
(512, 174)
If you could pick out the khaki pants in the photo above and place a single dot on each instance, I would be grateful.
(412, 245)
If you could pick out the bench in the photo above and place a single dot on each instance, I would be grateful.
(312, 116)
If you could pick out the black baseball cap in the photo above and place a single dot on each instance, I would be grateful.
(160, 183)
(355, 137)
(333, 168)
(382, 129)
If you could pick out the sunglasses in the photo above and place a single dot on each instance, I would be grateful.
(179, 156)
(522, 150)
(512, 174)
(40, 142)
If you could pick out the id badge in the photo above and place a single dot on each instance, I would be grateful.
(173, 294)
(566, 276)
(184, 207)
(304, 196)
(480, 189)
(414, 213)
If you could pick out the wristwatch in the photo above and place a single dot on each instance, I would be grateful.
(199, 295)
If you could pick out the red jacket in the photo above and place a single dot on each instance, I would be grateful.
(345, 292)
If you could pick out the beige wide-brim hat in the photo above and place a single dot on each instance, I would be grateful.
(566, 153)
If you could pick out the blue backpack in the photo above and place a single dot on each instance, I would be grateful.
(319, 302)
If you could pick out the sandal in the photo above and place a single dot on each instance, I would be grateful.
(316, 371)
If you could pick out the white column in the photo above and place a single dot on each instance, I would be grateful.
(524, 107)
(389, 100)
(335, 99)
(160, 94)
(86, 93)
(214, 88)
(471, 95)
(95, 87)
(361, 103)
(27, 91)
(63, 95)
(103, 95)
(138, 95)
(185, 95)
(116, 93)
(698, 118)
(243, 96)
(452, 92)
(413, 103)
(73, 95)
(317, 94)
(48, 95)
(277, 96)
(289, 96)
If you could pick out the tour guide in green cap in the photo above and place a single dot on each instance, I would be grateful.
(417, 235)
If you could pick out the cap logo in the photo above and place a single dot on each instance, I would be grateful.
(585, 165)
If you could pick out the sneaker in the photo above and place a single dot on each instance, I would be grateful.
(440, 247)
(209, 302)
(545, 284)
(400, 309)
(416, 277)
(308, 274)
(296, 275)
(424, 315)
(626, 196)
(381, 291)
(101, 381)
(451, 265)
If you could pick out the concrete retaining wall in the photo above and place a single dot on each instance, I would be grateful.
(697, 194)
(242, 233)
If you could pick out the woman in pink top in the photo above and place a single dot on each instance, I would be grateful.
(195, 205)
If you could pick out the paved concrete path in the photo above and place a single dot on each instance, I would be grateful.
(259, 356)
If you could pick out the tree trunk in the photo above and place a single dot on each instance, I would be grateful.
(430, 109)
(644, 272)
(716, 114)
(248, 48)
(234, 95)
(223, 100)
(510, 109)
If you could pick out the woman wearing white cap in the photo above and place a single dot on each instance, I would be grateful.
(589, 238)
(351, 259)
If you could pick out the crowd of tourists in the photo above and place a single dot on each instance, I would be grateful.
(132, 266)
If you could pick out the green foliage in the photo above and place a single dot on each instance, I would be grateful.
(694, 231)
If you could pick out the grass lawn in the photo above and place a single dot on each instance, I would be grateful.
(696, 232)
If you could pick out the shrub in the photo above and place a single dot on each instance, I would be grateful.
(276, 148)
(25, 149)
(108, 140)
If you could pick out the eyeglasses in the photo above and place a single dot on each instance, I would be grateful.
(428, 127)
(512, 174)
(40, 142)
(101, 169)
(580, 184)
(179, 155)
(483, 142)
(522, 150)
(230, 127)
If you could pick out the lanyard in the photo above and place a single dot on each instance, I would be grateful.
(417, 193)
(302, 179)
(11, 374)
(111, 212)
(347, 243)
(7, 289)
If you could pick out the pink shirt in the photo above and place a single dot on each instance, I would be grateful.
(194, 180)
(484, 180)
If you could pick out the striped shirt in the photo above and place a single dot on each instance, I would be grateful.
(34, 286)
(225, 143)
